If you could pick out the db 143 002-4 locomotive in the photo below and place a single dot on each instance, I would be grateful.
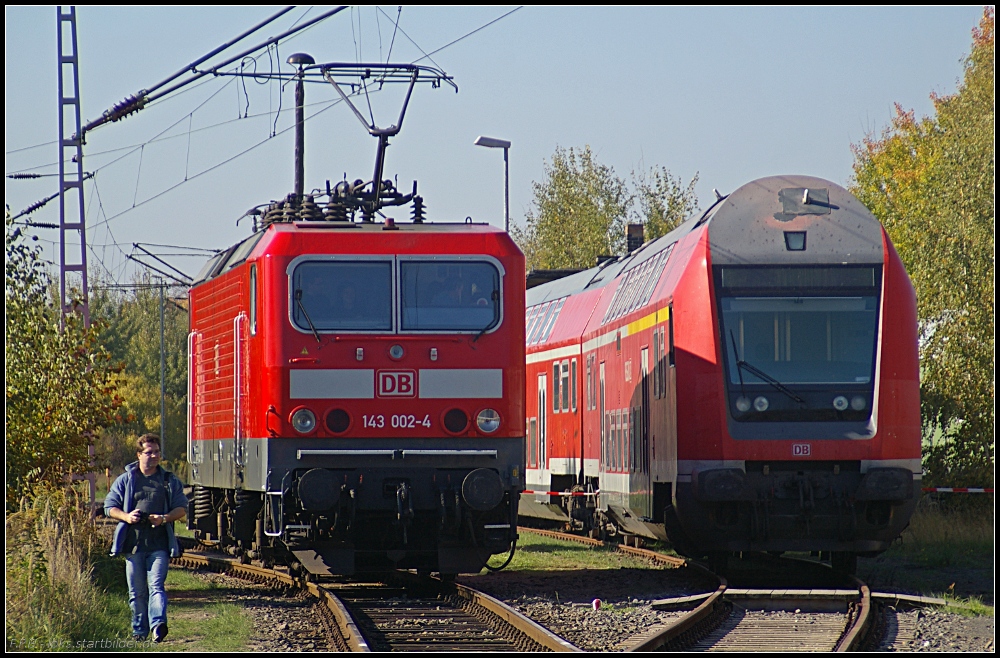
(356, 395)
(747, 382)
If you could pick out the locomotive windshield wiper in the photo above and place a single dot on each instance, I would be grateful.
(760, 374)
(298, 300)
(495, 296)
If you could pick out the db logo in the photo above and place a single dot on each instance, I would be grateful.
(397, 383)
(801, 450)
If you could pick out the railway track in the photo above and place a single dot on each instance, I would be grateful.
(406, 612)
(756, 618)
(402, 612)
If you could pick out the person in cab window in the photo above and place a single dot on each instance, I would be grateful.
(481, 294)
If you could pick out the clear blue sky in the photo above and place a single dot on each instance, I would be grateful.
(731, 94)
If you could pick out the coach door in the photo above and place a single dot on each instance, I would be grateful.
(642, 480)
(605, 427)
(542, 423)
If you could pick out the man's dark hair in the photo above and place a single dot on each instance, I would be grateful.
(145, 440)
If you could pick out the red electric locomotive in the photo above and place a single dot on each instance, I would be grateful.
(357, 395)
(747, 382)
(356, 388)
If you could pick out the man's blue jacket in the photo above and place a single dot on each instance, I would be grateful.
(121, 495)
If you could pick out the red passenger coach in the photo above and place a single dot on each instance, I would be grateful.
(357, 394)
(747, 382)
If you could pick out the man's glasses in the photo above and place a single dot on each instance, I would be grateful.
(150, 454)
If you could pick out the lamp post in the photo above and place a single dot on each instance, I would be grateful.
(493, 143)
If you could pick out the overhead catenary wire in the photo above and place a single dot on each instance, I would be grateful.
(220, 49)
(159, 100)
(452, 43)
(135, 103)
(216, 166)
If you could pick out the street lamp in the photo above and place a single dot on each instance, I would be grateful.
(493, 143)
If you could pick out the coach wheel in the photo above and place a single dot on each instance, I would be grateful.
(844, 562)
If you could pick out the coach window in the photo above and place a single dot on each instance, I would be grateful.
(342, 295)
(656, 363)
(533, 442)
(662, 365)
(555, 387)
(572, 376)
(253, 300)
(459, 295)
(670, 325)
(529, 321)
(539, 321)
(565, 385)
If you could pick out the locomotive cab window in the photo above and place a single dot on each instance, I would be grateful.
(345, 295)
(461, 295)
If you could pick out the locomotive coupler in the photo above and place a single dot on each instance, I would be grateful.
(806, 490)
(404, 507)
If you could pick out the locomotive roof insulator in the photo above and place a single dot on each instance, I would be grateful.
(309, 211)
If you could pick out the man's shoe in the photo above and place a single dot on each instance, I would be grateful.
(159, 632)
(138, 638)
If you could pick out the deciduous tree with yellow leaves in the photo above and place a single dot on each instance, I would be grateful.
(931, 181)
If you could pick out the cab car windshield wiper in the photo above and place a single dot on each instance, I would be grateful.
(760, 374)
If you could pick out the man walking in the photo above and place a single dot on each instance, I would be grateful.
(146, 500)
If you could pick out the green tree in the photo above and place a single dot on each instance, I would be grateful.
(580, 210)
(578, 213)
(132, 335)
(60, 384)
(664, 201)
(932, 184)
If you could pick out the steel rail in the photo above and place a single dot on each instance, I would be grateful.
(349, 629)
(535, 631)
(862, 621)
(714, 609)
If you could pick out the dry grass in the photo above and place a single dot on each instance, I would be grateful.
(51, 599)
(940, 537)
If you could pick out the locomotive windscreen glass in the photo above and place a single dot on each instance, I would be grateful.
(449, 295)
(342, 295)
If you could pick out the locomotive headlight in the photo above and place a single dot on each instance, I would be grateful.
(488, 421)
(858, 403)
(760, 403)
(840, 403)
(304, 421)
(396, 352)
(743, 403)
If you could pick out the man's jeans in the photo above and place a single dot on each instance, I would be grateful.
(146, 574)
